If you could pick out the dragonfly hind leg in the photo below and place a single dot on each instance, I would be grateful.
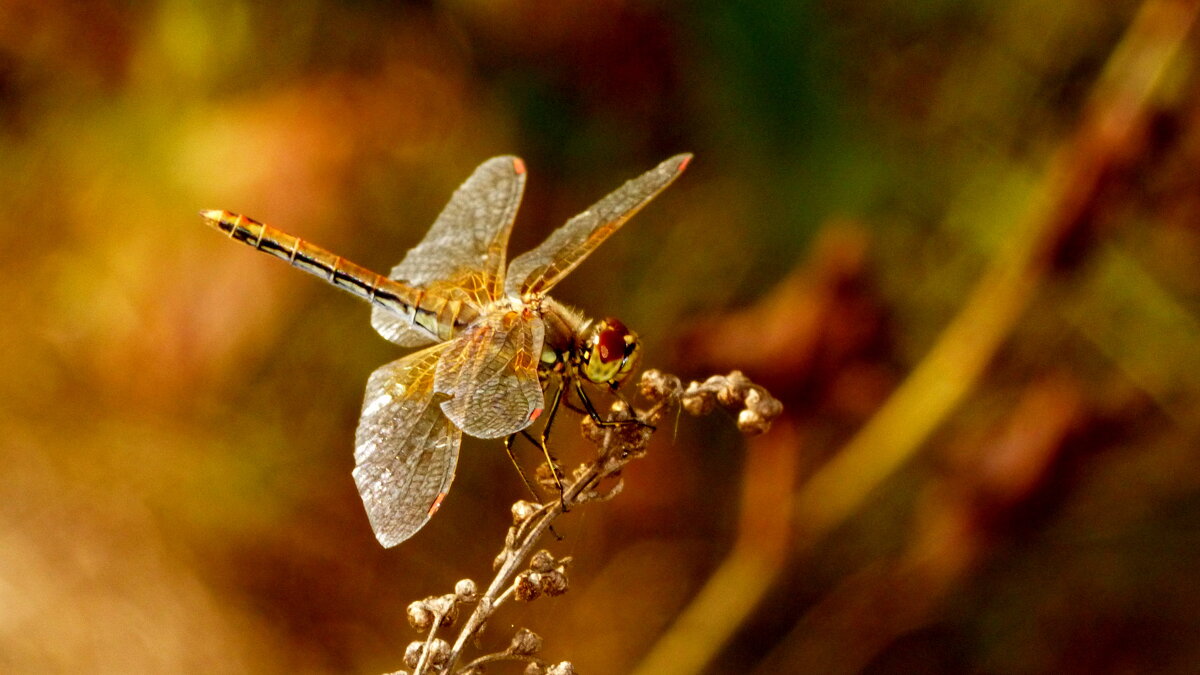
(541, 443)
(508, 447)
(544, 437)
(512, 457)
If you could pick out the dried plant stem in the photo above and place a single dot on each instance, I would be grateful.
(497, 658)
(620, 440)
(530, 532)
(502, 586)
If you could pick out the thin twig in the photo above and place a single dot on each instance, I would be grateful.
(523, 574)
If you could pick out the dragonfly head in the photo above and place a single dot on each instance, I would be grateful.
(609, 352)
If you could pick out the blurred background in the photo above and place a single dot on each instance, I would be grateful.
(959, 239)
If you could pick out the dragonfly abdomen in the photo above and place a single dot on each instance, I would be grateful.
(399, 298)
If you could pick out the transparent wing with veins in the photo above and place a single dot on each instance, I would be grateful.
(540, 269)
(463, 254)
(405, 448)
(491, 374)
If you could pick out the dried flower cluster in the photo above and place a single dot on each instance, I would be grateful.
(623, 437)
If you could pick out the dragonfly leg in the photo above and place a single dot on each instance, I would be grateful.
(601, 422)
(508, 447)
(545, 435)
(573, 407)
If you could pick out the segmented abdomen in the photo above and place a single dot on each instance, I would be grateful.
(434, 315)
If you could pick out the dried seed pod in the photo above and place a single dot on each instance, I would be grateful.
(591, 431)
(761, 410)
(542, 561)
(655, 386)
(561, 668)
(420, 616)
(525, 643)
(753, 398)
(768, 407)
(620, 410)
(698, 401)
(412, 653)
(439, 652)
(547, 476)
(466, 590)
(554, 582)
(733, 390)
(750, 423)
(526, 586)
(445, 607)
(523, 511)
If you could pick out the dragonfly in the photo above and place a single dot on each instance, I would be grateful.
(492, 340)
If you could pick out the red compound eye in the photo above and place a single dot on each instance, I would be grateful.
(610, 341)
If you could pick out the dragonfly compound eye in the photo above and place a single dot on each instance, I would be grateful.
(610, 353)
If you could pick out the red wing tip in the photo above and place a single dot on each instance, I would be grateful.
(518, 165)
(537, 412)
(687, 159)
(437, 503)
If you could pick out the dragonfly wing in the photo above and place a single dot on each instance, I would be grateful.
(491, 373)
(468, 239)
(537, 271)
(405, 448)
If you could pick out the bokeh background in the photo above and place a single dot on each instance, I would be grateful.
(959, 239)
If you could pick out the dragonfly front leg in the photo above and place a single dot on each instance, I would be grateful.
(601, 422)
